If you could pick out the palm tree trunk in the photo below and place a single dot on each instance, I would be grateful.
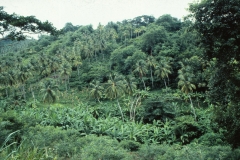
(95, 54)
(134, 110)
(165, 83)
(102, 54)
(33, 95)
(120, 109)
(23, 92)
(143, 84)
(6, 92)
(78, 72)
(131, 33)
(131, 108)
(151, 76)
(193, 110)
(66, 84)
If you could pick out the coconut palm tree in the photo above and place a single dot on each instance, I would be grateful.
(162, 70)
(151, 62)
(141, 69)
(101, 38)
(96, 90)
(65, 71)
(129, 85)
(115, 89)
(49, 95)
(23, 73)
(4, 82)
(76, 60)
(186, 86)
(45, 70)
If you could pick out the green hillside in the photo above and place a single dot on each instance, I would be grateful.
(144, 88)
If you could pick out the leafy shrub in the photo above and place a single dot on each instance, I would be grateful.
(103, 148)
(211, 139)
(130, 145)
(59, 142)
(9, 123)
(187, 129)
(189, 152)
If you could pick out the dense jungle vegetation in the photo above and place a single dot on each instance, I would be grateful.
(144, 88)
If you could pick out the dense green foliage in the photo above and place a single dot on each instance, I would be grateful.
(144, 88)
(14, 27)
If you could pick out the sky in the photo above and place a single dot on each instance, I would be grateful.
(85, 12)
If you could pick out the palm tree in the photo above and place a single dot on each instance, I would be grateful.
(163, 69)
(45, 70)
(23, 73)
(125, 34)
(65, 72)
(115, 89)
(76, 61)
(54, 64)
(112, 34)
(129, 85)
(130, 88)
(151, 62)
(137, 31)
(141, 69)
(186, 86)
(49, 95)
(100, 36)
(4, 81)
(96, 90)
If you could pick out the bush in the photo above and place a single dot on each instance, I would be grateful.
(103, 148)
(9, 123)
(130, 145)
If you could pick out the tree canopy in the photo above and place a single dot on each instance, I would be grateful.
(16, 27)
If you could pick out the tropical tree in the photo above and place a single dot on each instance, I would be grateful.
(162, 70)
(115, 89)
(76, 61)
(65, 71)
(129, 85)
(14, 26)
(141, 69)
(151, 62)
(48, 90)
(186, 86)
(101, 38)
(217, 23)
(24, 73)
(96, 90)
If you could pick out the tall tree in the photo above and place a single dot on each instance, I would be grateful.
(24, 72)
(217, 23)
(48, 90)
(65, 72)
(14, 27)
(96, 90)
(162, 70)
(186, 85)
(115, 89)
(151, 62)
(141, 69)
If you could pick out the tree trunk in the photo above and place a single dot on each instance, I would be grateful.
(193, 110)
(6, 91)
(33, 95)
(120, 109)
(134, 110)
(151, 76)
(78, 72)
(165, 83)
(66, 84)
(144, 84)
(23, 92)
